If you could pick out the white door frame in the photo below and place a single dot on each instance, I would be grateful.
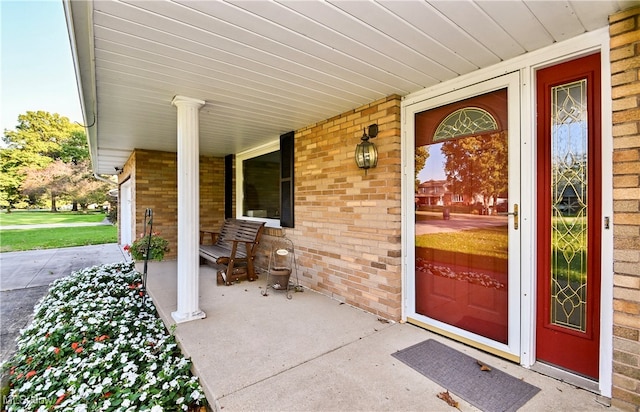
(126, 207)
(527, 64)
(511, 81)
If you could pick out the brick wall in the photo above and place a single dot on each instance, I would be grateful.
(625, 77)
(347, 233)
(211, 192)
(155, 187)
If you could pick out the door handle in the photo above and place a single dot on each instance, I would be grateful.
(514, 214)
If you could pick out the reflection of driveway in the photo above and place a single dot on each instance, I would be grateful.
(434, 223)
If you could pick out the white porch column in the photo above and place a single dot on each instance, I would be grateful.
(188, 209)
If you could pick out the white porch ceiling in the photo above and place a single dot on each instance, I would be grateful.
(268, 67)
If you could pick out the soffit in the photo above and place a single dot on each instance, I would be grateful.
(265, 68)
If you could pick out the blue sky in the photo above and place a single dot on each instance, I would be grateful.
(37, 68)
(434, 167)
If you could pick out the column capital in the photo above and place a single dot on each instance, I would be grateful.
(187, 101)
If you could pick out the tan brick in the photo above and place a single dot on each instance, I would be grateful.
(347, 269)
(626, 155)
(628, 76)
(626, 333)
(625, 358)
(625, 38)
(631, 346)
(626, 142)
(630, 256)
(629, 89)
(626, 237)
(626, 167)
(622, 405)
(623, 181)
(623, 103)
(631, 321)
(622, 26)
(624, 14)
(631, 115)
(624, 294)
(627, 370)
(156, 188)
(625, 400)
(632, 308)
(622, 52)
(625, 383)
(627, 193)
(627, 268)
(627, 281)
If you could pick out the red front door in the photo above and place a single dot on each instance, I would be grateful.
(569, 216)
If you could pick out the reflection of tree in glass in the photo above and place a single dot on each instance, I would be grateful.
(421, 156)
(477, 165)
(568, 184)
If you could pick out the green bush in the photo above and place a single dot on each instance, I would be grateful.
(158, 247)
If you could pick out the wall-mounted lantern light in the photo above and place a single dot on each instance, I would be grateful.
(366, 152)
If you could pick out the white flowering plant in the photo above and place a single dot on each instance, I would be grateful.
(97, 344)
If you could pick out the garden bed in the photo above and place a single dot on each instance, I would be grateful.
(96, 343)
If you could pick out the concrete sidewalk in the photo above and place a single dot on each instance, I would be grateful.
(19, 270)
(313, 353)
(25, 278)
(105, 222)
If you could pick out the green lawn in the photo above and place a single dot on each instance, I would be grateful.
(29, 239)
(483, 242)
(568, 246)
(38, 217)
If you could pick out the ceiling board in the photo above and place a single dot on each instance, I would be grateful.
(516, 18)
(472, 19)
(265, 68)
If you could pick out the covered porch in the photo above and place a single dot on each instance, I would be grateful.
(181, 97)
(312, 352)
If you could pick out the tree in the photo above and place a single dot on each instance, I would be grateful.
(74, 149)
(39, 139)
(41, 134)
(85, 189)
(477, 165)
(421, 156)
(11, 177)
(52, 180)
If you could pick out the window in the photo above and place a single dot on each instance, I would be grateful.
(261, 186)
(264, 183)
(258, 184)
(465, 122)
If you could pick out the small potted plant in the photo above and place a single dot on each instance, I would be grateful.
(158, 247)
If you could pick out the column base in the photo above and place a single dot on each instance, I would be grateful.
(181, 317)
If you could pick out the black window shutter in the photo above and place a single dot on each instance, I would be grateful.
(286, 180)
(228, 186)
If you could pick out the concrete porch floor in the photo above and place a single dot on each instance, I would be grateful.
(312, 353)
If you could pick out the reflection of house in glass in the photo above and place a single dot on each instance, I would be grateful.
(570, 203)
(435, 193)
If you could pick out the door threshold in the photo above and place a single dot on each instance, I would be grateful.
(486, 348)
(565, 376)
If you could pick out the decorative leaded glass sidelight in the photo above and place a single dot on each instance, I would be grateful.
(569, 205)
(465, 122)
